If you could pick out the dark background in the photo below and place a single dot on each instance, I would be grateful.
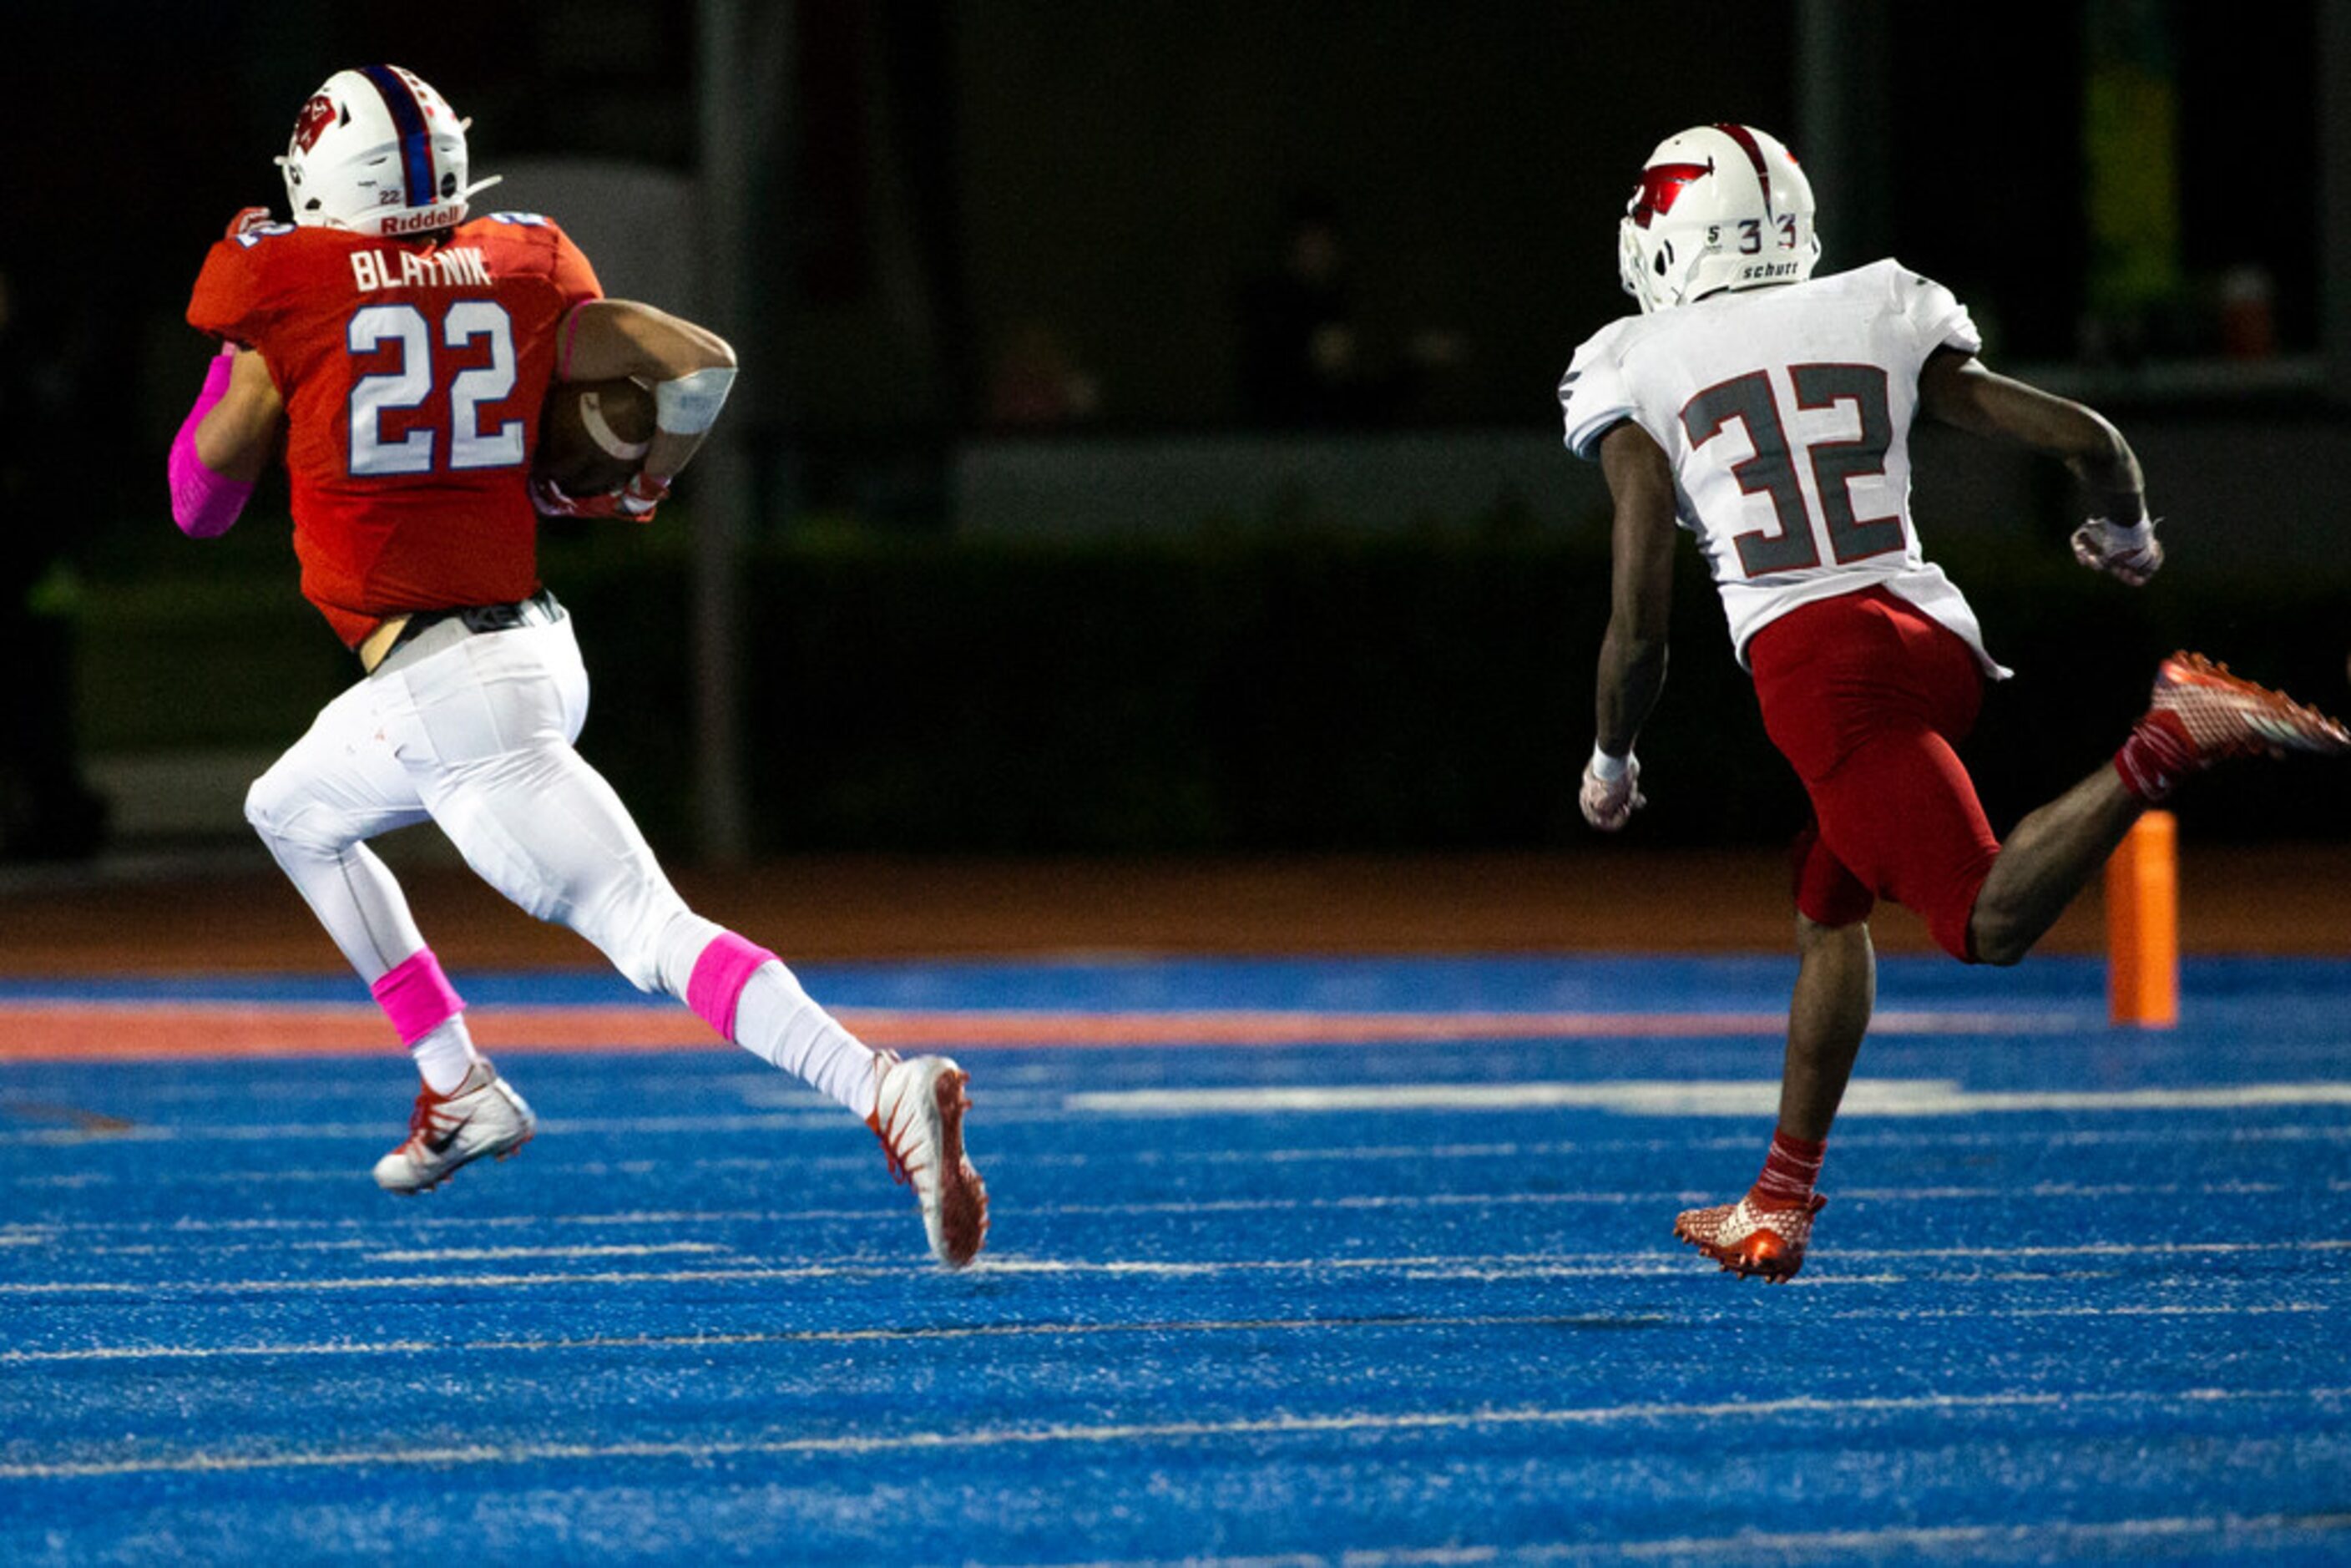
(935, 183)
(1118, 170)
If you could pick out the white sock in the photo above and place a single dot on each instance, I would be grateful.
(775, 1019)
(446, 1055)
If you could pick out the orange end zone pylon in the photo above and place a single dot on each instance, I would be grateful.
(2143, 924)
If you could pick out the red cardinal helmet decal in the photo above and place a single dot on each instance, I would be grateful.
(316, 116)
(1661, 185)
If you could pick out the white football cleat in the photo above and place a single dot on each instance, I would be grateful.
(480, 1116)
(918, 1116)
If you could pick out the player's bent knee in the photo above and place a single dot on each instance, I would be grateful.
(271, 810)
(1996, 943)
(290, 825)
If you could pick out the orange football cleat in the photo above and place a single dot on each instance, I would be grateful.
(1747, 1239)
(2219, 715)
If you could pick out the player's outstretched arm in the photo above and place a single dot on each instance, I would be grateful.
(691, 370)
(2119, 537)
(221, 448)
(1957, 389)
(1633, 653)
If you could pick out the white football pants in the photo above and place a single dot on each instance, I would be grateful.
(475, 733)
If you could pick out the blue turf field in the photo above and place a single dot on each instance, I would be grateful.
(2079, 1294)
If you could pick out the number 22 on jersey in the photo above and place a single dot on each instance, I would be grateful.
(1769, 469)
(408, 336)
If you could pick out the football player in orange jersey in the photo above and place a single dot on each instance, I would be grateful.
(403, 350)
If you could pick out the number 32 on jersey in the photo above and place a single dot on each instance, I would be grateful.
(1769, 469)
(474, 338)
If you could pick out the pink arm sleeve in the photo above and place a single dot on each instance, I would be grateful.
(205, 502)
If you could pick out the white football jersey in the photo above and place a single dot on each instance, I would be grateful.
(1786, 411)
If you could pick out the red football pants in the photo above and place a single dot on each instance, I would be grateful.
(1866, 695)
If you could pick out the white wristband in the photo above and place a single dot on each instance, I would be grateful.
(1607, 769)
(690, 404)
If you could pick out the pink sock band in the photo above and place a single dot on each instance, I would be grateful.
(203, 503)
(417, 997)
(719, 975)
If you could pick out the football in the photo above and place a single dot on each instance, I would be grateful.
(592, 435)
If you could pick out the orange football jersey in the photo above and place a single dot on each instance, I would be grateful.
(413, 375)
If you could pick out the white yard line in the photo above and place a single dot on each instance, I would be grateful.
(1497, 1266)
(1338, 1424)
(1690, 1097)
(829, 1336)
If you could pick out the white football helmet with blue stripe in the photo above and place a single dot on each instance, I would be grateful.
(377, 151)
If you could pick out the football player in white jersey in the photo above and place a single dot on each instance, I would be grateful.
(1768, 412)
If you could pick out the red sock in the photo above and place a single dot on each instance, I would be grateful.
(1789, 1172)
(2155, 758)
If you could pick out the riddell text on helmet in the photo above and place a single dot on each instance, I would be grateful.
(417, 223)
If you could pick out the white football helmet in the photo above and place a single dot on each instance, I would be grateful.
(1718, 207)
(377, 151)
